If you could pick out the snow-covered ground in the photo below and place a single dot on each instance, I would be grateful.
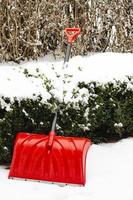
(109, 166)
(109, 176)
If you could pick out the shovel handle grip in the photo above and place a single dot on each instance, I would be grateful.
(72, 34)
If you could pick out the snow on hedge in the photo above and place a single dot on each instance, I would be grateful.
(102, 67)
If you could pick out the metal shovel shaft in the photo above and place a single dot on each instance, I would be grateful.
(52, 133)
(67, 55)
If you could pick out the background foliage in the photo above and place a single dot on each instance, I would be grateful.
(32, 28)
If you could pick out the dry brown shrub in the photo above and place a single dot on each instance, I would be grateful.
(32, 28)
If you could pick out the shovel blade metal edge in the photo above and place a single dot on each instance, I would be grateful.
(64, 163)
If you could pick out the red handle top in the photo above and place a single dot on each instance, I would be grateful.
(72, 34)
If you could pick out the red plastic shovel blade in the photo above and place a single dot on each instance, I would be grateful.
(64, 163)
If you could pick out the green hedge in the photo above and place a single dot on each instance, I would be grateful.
(101, 112)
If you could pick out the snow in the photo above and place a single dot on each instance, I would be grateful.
(109, 176)
(102, 67)
(109, 166)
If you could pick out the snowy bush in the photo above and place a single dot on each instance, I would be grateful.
(29, 29)
(101, 112)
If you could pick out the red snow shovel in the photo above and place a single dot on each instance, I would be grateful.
(51, 158)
